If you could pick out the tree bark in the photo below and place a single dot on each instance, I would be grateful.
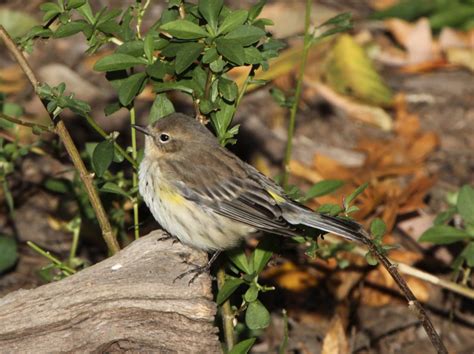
(127, 302)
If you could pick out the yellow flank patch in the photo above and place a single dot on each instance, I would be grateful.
(172, 197)
(277, 197)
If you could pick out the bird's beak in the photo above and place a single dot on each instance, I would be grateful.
(141, 129)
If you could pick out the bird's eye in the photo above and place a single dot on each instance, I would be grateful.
(164, 138)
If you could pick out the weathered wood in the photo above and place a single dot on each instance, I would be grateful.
(128, 302)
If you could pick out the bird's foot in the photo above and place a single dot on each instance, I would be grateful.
(167, 237)
(198, 270)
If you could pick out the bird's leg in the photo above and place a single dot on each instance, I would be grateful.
(167, 237)
(198, 270)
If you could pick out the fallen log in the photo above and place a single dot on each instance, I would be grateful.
(127, 302)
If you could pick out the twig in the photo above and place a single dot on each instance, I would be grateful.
(299, 85)
(26, 123)
(418, 273)
(117, 147)
(54, 260)
(136, 222)
(71, 149)
(226, 312)
(412, 300)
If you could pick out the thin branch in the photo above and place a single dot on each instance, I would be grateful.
(299, 85)
(136, 221)
(417, 273)
(71, 149)
(26, 123)
(226, 312)
(103, 134)
(413, 303)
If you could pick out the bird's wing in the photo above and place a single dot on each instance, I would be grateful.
(244, 201)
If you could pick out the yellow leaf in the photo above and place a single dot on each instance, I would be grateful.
(350, 72)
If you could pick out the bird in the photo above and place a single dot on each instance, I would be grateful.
(208, 198)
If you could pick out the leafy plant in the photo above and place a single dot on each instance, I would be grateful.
(443, 232)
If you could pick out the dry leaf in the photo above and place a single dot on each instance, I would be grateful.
(293, 277)
(363, 112)
(416, 39)
(461, 56)
(335, 341)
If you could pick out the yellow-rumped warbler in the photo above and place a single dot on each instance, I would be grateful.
(209, 199)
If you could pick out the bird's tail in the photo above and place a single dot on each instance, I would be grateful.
(348, 229)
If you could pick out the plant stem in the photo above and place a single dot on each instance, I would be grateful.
(136, 226)
(244, 87)
(26, 123)
(299, 85)
(75, 241)
(53, 259)
(117, 147)
(226, 311)
(71, 149)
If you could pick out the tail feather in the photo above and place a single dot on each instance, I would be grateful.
(348, 229)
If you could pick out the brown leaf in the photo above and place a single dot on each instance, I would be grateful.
(335, 341)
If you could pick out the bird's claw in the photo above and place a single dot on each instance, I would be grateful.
(197, 270)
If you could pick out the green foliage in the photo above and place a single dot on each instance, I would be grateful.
(9, 253)
(441, 13)
(243, 347)
(442, 233)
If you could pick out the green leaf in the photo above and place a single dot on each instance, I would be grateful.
(102, 157)
(257, 316)
(445, 216)
(210, 10)
(238, 257)
(113, 188)
(183, 29)
(256, 9)
(251, 294)
(157, 70)
(453, 16)
(182, 86)
(348, 200)
(111, 108)
(243, 347)
(443, 235)
(323, 188)
(331, 209)
(468, 254)
(262, 254)
(133, 48)
(161, 107)
(350, 72)
(230, 285)
(149, 46)
(71, 28)
(131, 87)
(210, 55)
(74, 4)
(232, 50)
(246, 34)
(217, 65)
(188, 53)
(118, 61)
(407, 10)
(465, 204)
(228, 89)
(378, 228)
(57, 185)
(232, 21)
(253, 55)
(8, 254)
